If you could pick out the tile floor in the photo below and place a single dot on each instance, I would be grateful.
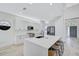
(71, 47)
(13, 50)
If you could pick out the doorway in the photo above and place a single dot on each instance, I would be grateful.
(73, 31)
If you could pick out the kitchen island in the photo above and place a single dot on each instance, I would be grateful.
(39, 46)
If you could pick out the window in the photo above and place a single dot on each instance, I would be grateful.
(51, 30)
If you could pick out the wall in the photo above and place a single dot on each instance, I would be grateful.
(21, 28)
(7, 37)
(60, 28)
(22, 23)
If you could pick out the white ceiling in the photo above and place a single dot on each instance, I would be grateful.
(72, 12)
(69, 5)
(37, 11)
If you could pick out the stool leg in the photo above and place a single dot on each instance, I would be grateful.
(57, 52)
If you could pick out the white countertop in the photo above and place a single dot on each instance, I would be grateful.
(46, 42)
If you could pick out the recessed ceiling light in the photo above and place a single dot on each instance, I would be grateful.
(30, 3)
(24, 8)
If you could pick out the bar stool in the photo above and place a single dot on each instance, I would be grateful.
(61, 43)
(59, 46)
(52, 52)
